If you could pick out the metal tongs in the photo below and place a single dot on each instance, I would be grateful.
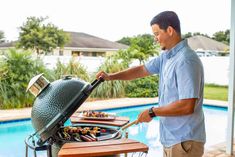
(111, 136)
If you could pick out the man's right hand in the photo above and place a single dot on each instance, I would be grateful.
(104, 75)
(127, 74)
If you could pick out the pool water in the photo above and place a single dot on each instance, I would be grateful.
(12, 134)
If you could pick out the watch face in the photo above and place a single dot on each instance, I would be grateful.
(151, 113)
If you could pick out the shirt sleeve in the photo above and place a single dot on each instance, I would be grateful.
(189, 79)
(153, 66)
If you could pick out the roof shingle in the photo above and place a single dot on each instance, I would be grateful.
(204, 43)
(84, 40)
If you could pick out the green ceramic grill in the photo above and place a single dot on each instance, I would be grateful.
(55, 102)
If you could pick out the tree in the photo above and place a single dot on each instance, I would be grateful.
(187, 35)
(198, 33)
(2, 37)
(227, 34)
(42, 38)
(222, 36)
(142, 47)
(125, 40)
(190, 34)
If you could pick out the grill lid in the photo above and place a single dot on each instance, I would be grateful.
(56, 103)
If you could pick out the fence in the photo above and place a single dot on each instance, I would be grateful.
(216, 68)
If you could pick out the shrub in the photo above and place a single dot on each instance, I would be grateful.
(143, 87)
(73, 68)
(111, 89)
(16, 70)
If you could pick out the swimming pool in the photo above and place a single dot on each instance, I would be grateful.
(12, 134)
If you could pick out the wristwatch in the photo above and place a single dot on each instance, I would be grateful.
(151, 113)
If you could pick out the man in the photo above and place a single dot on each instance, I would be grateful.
(182, 127)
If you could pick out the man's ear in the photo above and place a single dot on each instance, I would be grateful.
(170, 30)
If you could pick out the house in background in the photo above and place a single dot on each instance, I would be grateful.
(6, 45)
(81, 44)
(207, 47)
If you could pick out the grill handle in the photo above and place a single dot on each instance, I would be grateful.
(95, 83)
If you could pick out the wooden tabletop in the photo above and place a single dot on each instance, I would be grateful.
(118, 121)
(102, 148)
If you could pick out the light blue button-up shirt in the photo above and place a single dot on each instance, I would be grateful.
(181, 77)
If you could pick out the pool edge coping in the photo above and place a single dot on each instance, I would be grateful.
(17, 114)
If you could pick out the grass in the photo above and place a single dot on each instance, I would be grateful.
(216, 92)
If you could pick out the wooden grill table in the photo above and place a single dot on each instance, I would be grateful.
(104, 148)
(101, 148)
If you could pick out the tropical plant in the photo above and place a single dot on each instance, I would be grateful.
(123, 56)
(39, 37)
(141, 48)
(16, 70)
(143, 87)
(111, 89)
(73, 68)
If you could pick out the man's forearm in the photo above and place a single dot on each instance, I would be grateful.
(177, 108)
(130, 74)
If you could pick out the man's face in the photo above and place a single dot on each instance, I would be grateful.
(161, 36)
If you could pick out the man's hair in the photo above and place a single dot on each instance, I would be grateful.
(165, 19)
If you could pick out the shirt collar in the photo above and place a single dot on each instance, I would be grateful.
(172, 52)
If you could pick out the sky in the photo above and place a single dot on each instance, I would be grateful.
(114, 19)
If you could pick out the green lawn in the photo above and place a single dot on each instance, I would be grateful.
(215, 92)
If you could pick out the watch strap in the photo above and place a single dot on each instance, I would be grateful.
(151, 113)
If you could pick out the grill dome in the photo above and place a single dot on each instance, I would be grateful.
(56, 103)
